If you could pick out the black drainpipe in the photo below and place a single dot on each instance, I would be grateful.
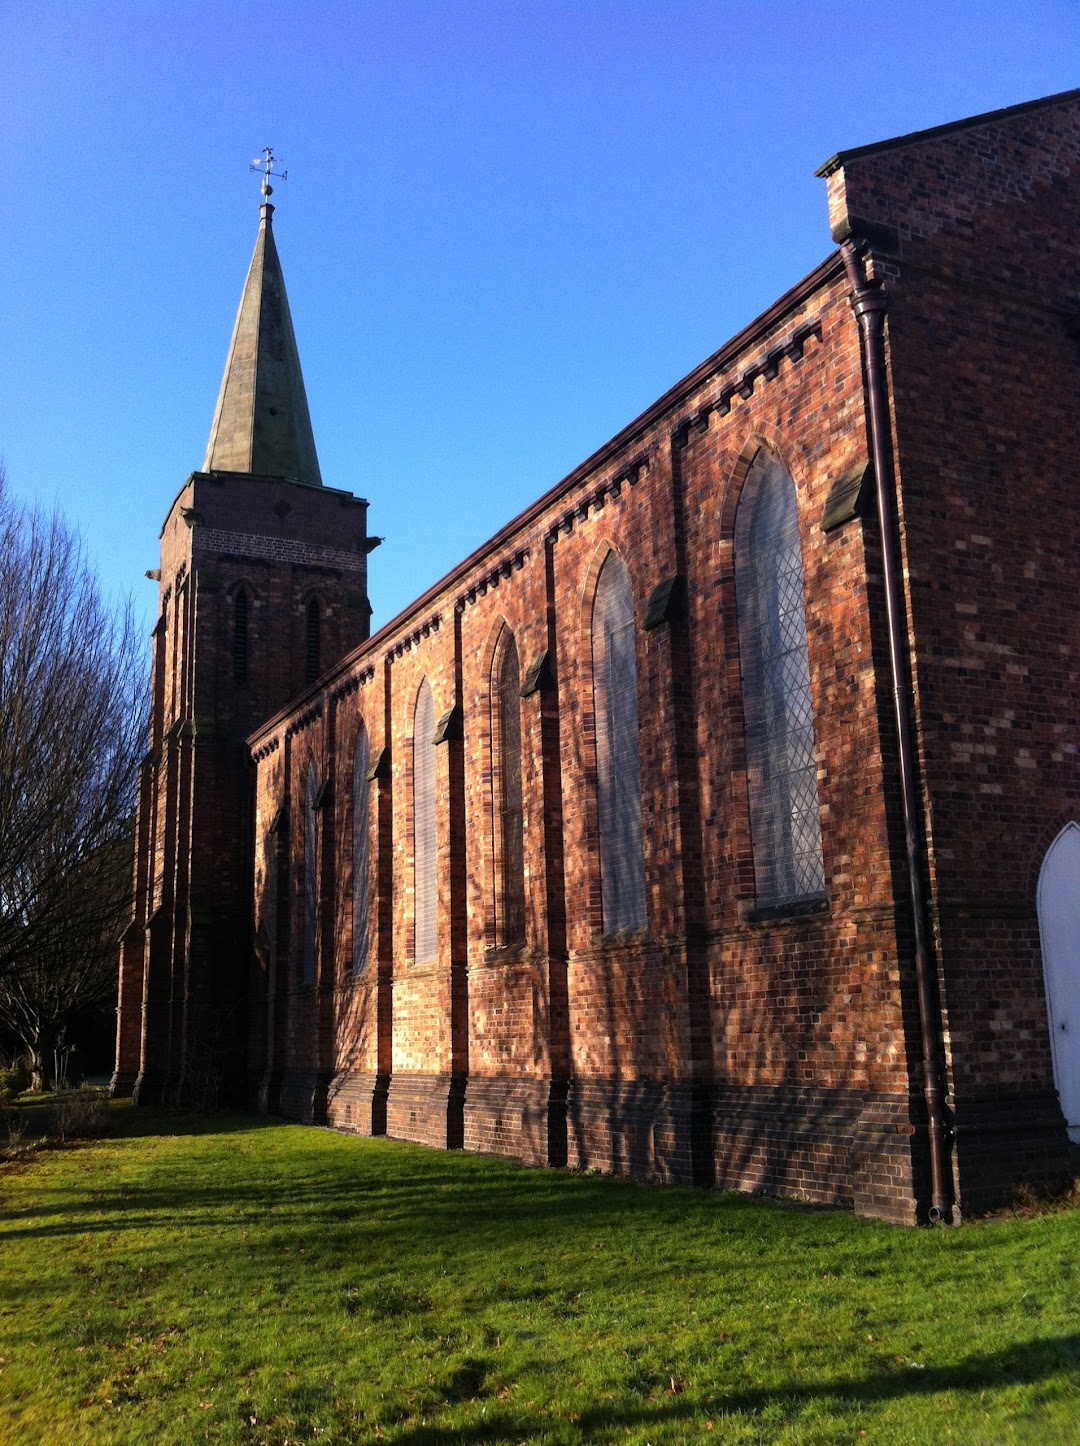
(869, 302)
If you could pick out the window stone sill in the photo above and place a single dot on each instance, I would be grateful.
(793, 909)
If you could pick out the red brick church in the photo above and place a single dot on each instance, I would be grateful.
(718, 821)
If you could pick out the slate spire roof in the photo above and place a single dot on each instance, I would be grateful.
(261, 424)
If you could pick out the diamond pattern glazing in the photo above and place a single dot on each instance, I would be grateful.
(782, 767)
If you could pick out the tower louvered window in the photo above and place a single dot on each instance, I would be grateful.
(240, 637)
(313, 666)
(361, 889)
(785, 823)
(425, 868)
(510, 843)
(311, 887)
(618, 750)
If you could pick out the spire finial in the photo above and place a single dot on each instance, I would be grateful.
(266, 165)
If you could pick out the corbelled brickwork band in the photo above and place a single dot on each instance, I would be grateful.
(215, 541)
(764, 1021)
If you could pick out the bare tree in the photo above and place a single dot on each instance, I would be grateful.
(71, 968)
(72, 726)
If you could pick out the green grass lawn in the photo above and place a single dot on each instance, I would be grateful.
(236, 1281)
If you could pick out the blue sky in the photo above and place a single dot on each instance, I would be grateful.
(507, 227)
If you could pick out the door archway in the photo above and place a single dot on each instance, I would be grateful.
(1059, 930)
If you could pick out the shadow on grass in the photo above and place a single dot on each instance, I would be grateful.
(1027, 1364)
(124, 1121)
(398, 1190)
(460, 1208)
(128, 1121)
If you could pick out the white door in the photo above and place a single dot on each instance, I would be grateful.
(1059, 927)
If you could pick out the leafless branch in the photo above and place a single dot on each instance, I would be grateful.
(72, 727)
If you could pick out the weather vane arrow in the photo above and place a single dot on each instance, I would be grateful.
(266, 164)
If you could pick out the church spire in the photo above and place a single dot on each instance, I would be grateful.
(261, 424)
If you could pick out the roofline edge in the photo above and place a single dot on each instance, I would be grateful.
(841, 158)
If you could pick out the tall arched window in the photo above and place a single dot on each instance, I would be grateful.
(360, 845)
(618, 751)
(240, 636)
(312, 660)
(311, 860)
(425, 870)
(785, 824)
(507, 804)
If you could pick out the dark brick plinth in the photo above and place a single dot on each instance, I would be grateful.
(637, 1127)
(303, 1096)
(268, 1093)
(122, 1085)
(832, 1147)
(1007, 1144)
(427, 1109)
(150, 1088)
(522, 1118)
(357, 1102)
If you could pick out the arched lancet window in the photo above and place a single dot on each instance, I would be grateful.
(360, 842)
(618, 750)
(240, 636)
(425, 871)
(311, 859)
(312, 661)
(785, 823)
(507, 802)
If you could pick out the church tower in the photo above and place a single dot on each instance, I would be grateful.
(262, 586)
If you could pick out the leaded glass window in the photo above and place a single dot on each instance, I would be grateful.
(510, 843)
(425, 867)
(311, 858)
(618, 750)
(785, 823)
(360, 844)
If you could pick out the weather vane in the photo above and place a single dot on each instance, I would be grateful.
(266, 164)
